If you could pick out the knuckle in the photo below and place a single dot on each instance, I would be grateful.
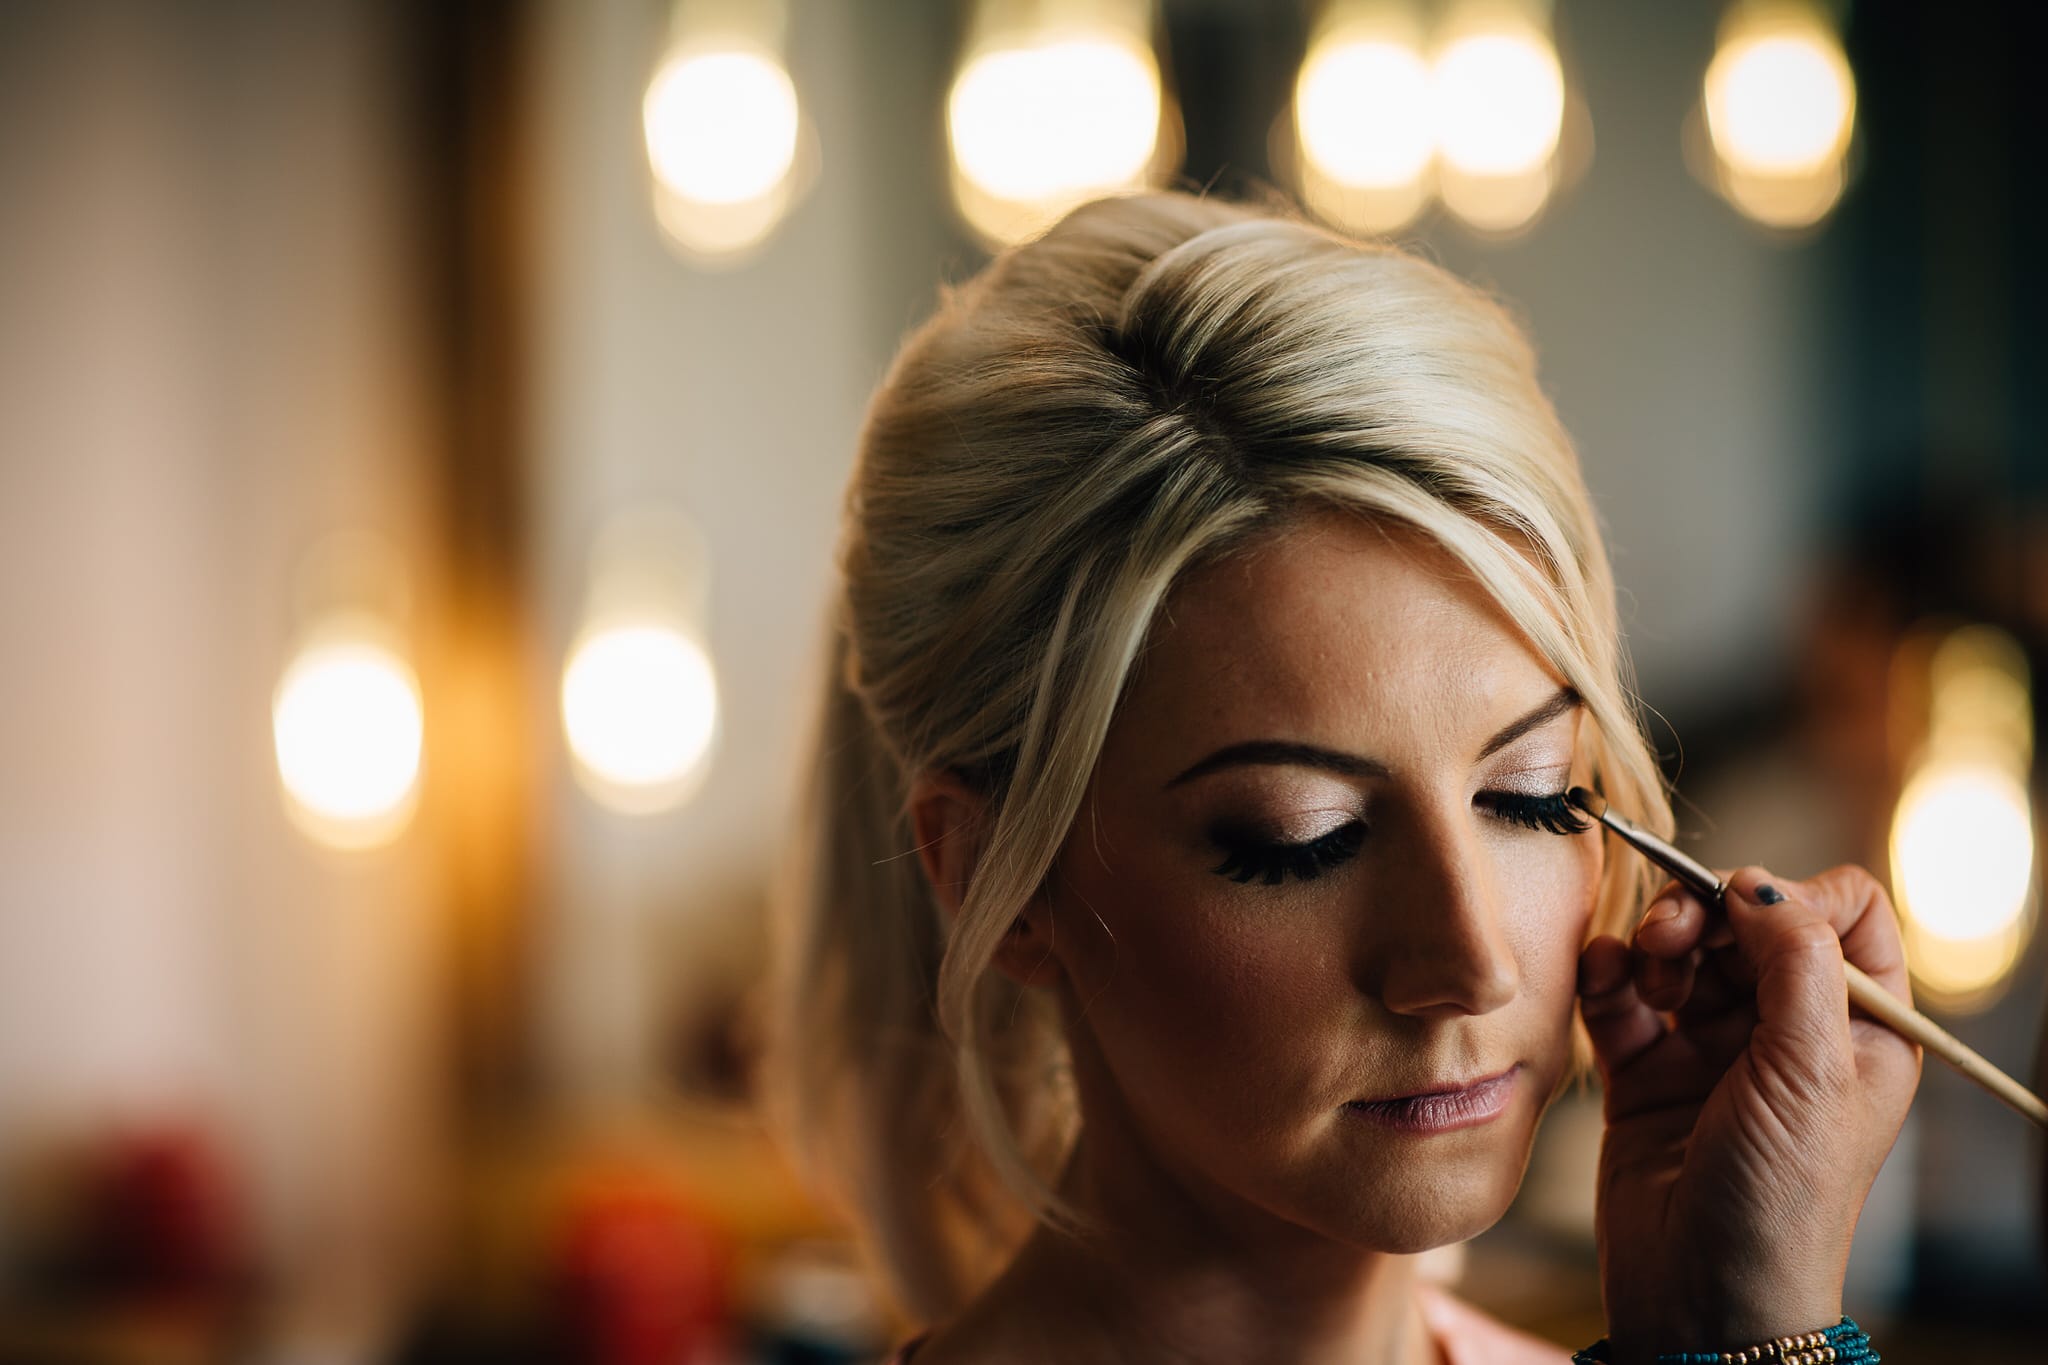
(1814, 937)
(1850, 883)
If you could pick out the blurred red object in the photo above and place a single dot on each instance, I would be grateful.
(641, 1275)
(162, 1220)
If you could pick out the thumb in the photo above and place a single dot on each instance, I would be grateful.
(1620, 1026)
(1802, 1035)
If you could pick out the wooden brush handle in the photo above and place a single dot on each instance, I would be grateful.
(1881, 1004)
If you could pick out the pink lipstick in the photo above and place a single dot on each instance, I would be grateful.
(1443, 1111)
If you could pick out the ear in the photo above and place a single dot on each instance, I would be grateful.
(950, 821)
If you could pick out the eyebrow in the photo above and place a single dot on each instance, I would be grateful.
(1292, 754)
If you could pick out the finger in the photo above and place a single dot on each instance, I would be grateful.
(1673, 924)
(1856, 904)
(1664, 951)
(1664, 983)
(1621, 1026)
(1717, 1036)
(1722, 982)
(1802, 989)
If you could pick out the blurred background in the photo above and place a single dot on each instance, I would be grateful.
(421, 434)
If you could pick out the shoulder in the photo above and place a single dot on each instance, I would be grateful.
(1470, 1337)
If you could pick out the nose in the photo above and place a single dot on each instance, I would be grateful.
(1435, 941)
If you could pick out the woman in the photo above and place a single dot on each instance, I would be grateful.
(1224, 617)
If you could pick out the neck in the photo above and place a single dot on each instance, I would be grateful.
(1178, 1275)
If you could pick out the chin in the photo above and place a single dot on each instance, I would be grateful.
(1417, 1206)
(1409, 1227)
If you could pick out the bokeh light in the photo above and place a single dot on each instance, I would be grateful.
(1962, 841)
(1497, 203)
(1362, 109)
(1499, 100)
(727, 147)
(1789, 202)
(346, 721)
(1962, 850)
(721, 126)
(1038, 123)
(1779, 104)
(640, 708)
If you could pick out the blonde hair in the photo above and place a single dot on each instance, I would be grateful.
(1151, 382)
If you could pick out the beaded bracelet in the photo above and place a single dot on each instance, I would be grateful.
(1843, 1344)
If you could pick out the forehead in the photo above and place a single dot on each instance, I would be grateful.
(1334, 629)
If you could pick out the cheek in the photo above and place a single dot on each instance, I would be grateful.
(1551, 888)
(1204, 1000)
(1199, 991)
(1551, 897)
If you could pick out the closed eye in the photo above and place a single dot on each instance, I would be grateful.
(1551, 813)
(1251, 859)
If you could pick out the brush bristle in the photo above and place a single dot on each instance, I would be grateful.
(1590, 802)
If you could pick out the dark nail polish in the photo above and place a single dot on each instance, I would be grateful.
(1768, 894)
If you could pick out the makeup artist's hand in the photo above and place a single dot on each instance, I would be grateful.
(1747, 1111)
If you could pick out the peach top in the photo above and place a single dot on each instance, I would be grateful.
(1463, 1334)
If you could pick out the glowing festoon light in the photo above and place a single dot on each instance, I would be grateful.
(640, 707)
(1362, 111)
(721, 126)
(347, 726)
(1056, 118)
(1780, 101)
(1499, 102)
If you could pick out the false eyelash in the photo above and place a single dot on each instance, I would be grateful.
(1552, 813)
(1272, 863)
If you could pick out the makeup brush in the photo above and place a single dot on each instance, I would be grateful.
(1875, 999)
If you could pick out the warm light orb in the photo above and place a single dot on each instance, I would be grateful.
(1963, 850)
(1362, 110)
(1785, 201)
(640, 707)
(721, 126)
(347, 725)
(1055, 118)
(1498, 203)
(1780, 102)
(1981, 695)
(1499, 102)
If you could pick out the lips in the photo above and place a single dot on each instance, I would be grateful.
(1441, 1111)
(1445, 1088)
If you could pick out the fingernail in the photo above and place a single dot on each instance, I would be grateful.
(1663, 910)
(1766, 894)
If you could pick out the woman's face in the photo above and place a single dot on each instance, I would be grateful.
(1304, 875)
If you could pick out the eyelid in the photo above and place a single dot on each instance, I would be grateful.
(1544, 780)
(1248, 858)
(1268, 831)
